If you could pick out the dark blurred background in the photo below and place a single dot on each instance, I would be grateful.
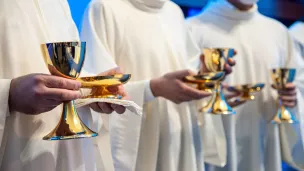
(286, 11)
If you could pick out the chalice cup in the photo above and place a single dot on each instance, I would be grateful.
(66, 59)
(99, 85)
(280, 78)
(247, 91)
(206, 82)
(215, 60)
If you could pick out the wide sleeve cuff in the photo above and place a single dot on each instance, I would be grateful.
(148, 92)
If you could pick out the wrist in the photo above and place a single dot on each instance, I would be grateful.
(154, 85)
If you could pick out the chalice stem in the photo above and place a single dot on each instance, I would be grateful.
(70, 125)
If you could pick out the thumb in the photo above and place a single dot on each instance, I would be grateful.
(181, 74)
(112, 71)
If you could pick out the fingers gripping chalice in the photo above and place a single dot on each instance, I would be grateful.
(280, 78)
(215, 60)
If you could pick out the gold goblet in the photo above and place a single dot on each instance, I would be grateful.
(65, 59)
(246, 90)
(206, 82)
(215, 60)
(280, 77)
(99, 85)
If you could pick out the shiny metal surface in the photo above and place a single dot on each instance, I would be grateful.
(280, 77)
(215, 59)
(218, 104)
(246, 90)
(205, 81)
(99, 85)
(65, 59)
(204, 77)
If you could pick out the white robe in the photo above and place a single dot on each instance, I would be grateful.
(147, 41)
(297, 31)
(24, 25)
(254, 144)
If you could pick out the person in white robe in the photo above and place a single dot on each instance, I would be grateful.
(262, 43)
(28, 93)
(149, 39)
(297, 30)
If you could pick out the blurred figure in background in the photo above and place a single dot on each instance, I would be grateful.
(254, 144)
(149, 39)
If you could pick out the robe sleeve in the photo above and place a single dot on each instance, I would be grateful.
(292, 135)
(4, 112)
(103, 34)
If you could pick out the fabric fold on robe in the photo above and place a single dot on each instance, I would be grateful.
(252, 142)
(146, 43)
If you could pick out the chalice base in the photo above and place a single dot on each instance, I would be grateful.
(70, 126)
(218, 105)
(284, 115)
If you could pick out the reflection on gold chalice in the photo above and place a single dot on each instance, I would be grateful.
(65, 59)
(215, 60)
(207, 82)
(280, 78)
(99, 85)
(246, 91)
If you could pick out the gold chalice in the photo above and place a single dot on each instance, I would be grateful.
(215, 60)
(280, 77)
(206, 82)
(66, 59)
(99, 85)
(246, 91)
